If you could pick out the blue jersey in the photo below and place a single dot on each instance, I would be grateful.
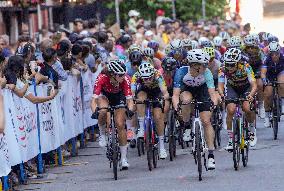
(183, 78)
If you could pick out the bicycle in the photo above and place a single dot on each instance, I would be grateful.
(199, 147)
(240, 137)
(150, 133)
(113, 152)
(140, 142)
(275, 114)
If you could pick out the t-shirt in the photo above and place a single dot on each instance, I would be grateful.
(20, 85)
(48, 71)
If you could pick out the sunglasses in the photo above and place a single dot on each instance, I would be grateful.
(148, 79)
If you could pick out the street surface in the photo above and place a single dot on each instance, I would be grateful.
(265, 170)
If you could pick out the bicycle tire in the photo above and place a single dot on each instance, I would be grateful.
(245, 151)
(149, 145)
(114, 152)
(236, 145)
(155, 156)
(276, 114)
(180, 137)
(171, 123)
(198, 149)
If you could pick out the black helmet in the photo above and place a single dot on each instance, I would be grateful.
(135, 57)
(169, 64)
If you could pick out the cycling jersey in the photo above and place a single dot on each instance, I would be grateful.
(158, 82)
(183, 78)
(256, 60)
(159, 55)
(273, 69)
(179, 60)
(239, 78)
(103, 86)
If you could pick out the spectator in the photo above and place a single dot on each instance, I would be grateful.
(78, 25)
(148, 37)
(2, 118)
(133, 20)
(160, 13)
(4, 46)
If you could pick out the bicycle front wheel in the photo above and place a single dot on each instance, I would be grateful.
(198, 146)
(172, 139)
(115, 153)
(245, 150)
(276, 116)
(149, 144)
(236, 143)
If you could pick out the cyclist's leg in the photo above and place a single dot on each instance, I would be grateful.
(260, 98)
(141, 96)
(231, 109)
(102, 119)
(268, 90)
(186, 97)
(280, 79)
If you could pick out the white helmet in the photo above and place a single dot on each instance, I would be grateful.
(146, 70)
(134, 47)
(256, 37)
(265, 36)
(133, 13)
(149, 52)
(194, 44)
(232, 56)
(250, 40)
(235, 41)
(202, 39)
(217, 40)
(186, 43)
(116, 66)
(176, 44)
(198, 56)
(224, 35)
(274, 47)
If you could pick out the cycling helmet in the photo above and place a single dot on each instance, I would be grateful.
(274, 47)
(232, 56)
(186, 43)
(149, 52)
(146, 70)
(201, 40)
(235, 41)
(176, 44)
(134, 47)
(250, 40)
(210, 51)
(198, 56)
(154, 45)
(169, 64)
(116, 66)
(194, 44)
(224, 35)
(272, 38)
(135, 57)
(217, 41)
(256, 37)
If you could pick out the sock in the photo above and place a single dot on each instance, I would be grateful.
(210, 154)
(141, 122)
(161, 142)
(123, 150)
(251, 127)
(267, 114)
(230, 134)
(102, 129)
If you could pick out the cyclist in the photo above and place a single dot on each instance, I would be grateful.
(235, 42)
(196, 81)
(113, 88)
(149, 83)
(256, 58)
(169, 65)
(273, 67)
(177, 52)
(241, 83)
(148, 54)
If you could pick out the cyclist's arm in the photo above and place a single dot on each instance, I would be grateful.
(177, 85)
(263, 70)
(210, 84)
(134, 83)
(97, 91)
(163, 86)
(127, 92)
(221, 81)
(251, 79)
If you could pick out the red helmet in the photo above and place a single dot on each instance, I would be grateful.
(160, 12)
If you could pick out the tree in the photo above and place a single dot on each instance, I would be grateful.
(185, 9)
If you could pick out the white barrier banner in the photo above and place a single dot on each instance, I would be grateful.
(59, 120)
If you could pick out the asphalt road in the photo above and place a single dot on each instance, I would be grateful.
(265, 170)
